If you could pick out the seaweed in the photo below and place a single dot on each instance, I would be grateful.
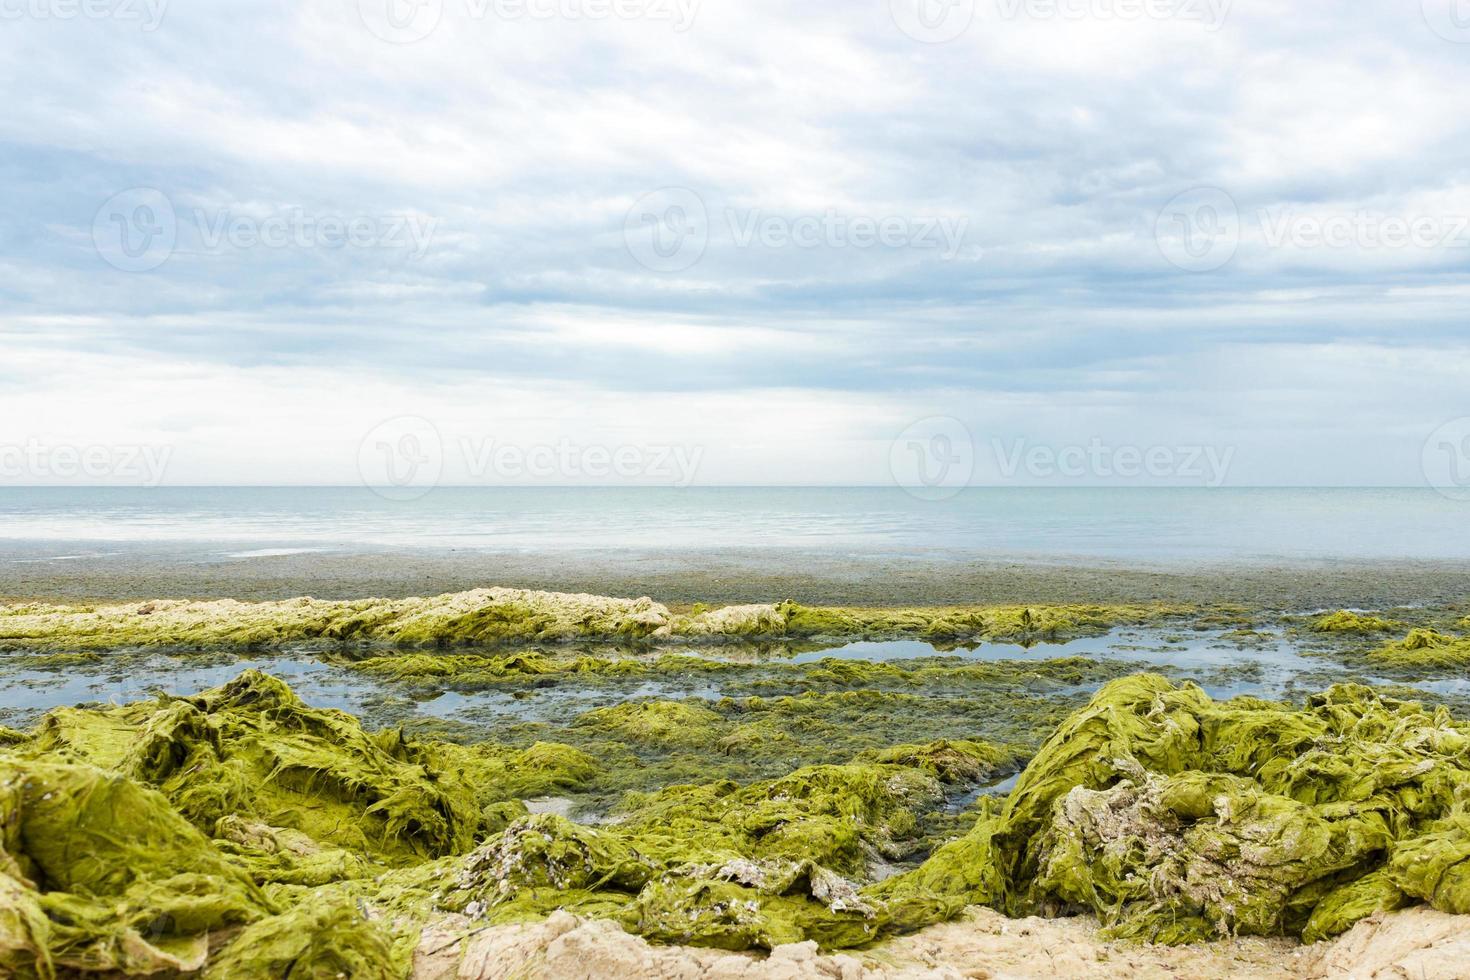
(1347, 621)
(1175, 818)
(1424, 648)
(501, 616)
(100, 873)
(714, 864)
(252, 748)
(244, 833)
(327, 937)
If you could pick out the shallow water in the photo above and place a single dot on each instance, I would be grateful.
(1269, 664)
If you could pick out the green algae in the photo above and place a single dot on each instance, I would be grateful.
(1347, 621)
(327, 937)
(756, 737)
(1424, 648)
(658, 723)
(252, 748)
(716, 864)
(265, 837)
(133, 836)
(473, 672)
(499, 616)
(1022, 624)
(951, 760)
(1176, 818)
(100, 873)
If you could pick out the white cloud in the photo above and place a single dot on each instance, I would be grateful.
(526, 141)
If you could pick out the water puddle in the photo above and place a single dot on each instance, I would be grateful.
(1265, 664)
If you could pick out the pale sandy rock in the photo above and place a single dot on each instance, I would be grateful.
(227, 620)
(1415, 944)
(984, 944)
(733, 621)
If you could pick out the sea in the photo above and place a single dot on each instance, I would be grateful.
(1158, 525)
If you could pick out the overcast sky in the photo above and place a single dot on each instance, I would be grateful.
(273, 237)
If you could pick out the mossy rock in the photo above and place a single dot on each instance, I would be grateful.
(1347, 621)
(657, 723)
(1176, 818)
(1424, 649)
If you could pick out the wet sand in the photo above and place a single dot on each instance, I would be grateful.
(725, 576)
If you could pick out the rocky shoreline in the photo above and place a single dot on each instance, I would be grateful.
(821, 817)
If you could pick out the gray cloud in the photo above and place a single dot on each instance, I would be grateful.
(511, 151)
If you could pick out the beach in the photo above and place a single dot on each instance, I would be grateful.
(496, 781)
(731, 575)
(400, 742)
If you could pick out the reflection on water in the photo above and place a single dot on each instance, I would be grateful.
(1267, 664)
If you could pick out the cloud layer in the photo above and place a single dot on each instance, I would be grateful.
(784, 235)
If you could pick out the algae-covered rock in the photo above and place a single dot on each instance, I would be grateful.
(499, 616)
(658, 722)
(122, 882)
(1174, 817)
(494, 615)
(327, 937)
(295, 842)
(252, 748)
(717, 864)
(550, 854)
(755, 904)
(1424, 648)
(1436, 865)
(951, 760)
(835, 816)
(1347, 621)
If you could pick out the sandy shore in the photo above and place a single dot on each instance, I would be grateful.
(683, 576)
(1419, 943)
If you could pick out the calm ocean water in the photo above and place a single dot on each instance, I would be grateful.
(1168, 525)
